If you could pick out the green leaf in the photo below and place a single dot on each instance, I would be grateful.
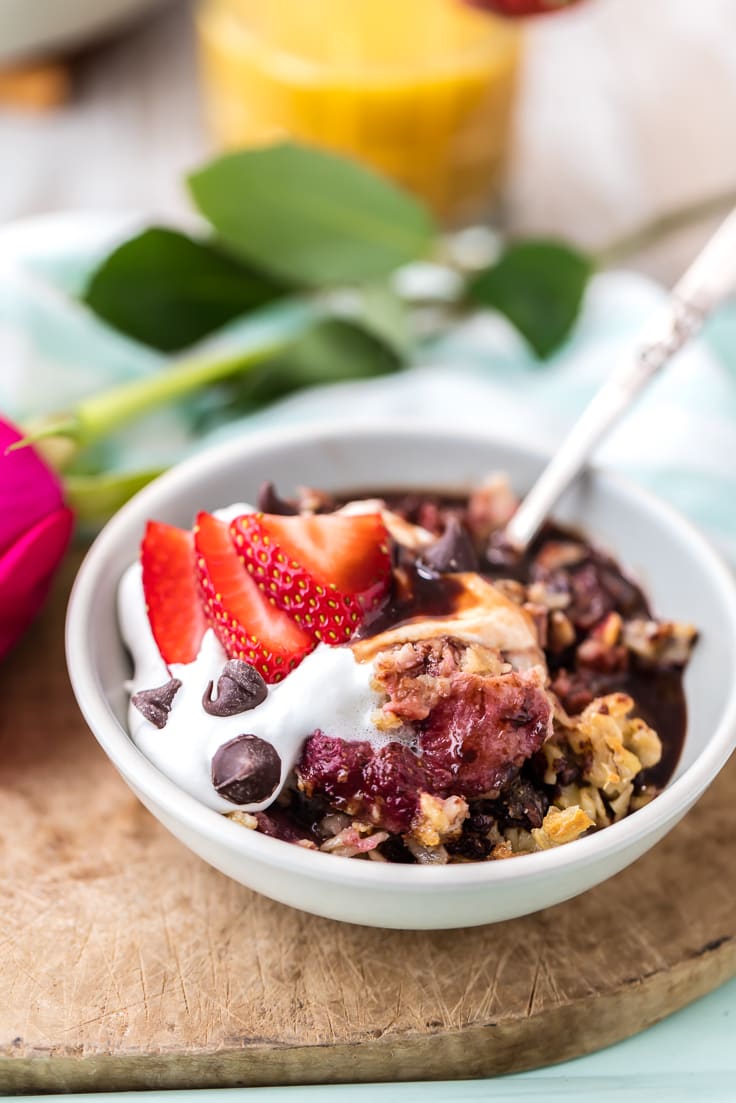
(168, 290)
(538, 285)
(94, 498)
(311, 217)
(334, 351)
(383, 313)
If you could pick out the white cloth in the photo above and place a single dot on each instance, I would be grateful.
(626, 111)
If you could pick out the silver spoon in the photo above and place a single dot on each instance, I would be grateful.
(707, 282)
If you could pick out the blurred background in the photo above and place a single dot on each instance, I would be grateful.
(587, 123)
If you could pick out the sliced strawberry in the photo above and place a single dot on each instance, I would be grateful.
(322, 611)
(325, 570)
(247, 624)
(171, 592)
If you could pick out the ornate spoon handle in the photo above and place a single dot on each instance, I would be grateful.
(706, 283)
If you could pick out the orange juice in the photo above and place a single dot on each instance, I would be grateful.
(420, 89)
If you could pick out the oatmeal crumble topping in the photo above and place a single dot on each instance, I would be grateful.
(438, 819)
(561, 825)
(416, 676)
(245, 819)
(664, 643)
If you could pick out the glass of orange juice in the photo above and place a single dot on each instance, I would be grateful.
(422, 90)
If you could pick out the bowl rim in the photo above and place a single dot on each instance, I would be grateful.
(179, 806)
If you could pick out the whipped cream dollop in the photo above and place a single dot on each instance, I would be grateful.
(329, 691)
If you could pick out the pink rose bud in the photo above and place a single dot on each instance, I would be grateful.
(35, 527)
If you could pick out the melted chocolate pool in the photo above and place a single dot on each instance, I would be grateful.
(415, 594)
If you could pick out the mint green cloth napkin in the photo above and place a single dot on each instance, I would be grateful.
(680, 440)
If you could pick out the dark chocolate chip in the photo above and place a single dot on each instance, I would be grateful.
(521, 804)
(246, 770)
(502, 556)
(453, 551)
(155, 704)
(239, 688)
(472, 846)
(270, 502)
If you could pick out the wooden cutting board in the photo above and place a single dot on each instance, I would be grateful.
(126, 962)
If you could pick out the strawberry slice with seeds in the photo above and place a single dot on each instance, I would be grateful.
(247, 623)
(171, 593)
(326, 571)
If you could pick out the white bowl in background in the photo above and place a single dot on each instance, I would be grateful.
(683, 577)
(33, 28)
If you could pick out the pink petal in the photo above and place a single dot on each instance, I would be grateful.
(29, 490)
(26, 572)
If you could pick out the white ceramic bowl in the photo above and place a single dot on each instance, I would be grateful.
(683, 577)
(29, 30)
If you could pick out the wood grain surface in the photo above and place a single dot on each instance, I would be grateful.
(126, 962)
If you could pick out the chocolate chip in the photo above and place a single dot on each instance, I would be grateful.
(155, 704)
(270, 502)
(246, 770)
(474, 847)
(453, 551)
(501, 555)
(480, 823)
(521, 804)
(239, 688)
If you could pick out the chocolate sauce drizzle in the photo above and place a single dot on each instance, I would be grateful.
(420, 591)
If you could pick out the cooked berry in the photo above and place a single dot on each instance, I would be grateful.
(333, 768)
(383, 786)
(474, 738)
(393, 781)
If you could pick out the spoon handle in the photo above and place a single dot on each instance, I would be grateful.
(706, 283)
